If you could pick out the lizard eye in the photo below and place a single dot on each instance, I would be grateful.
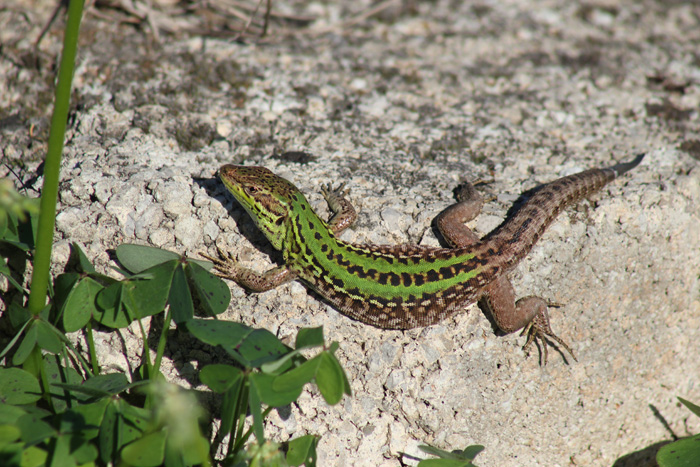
(251, 190)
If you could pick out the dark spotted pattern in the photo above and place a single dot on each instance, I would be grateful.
(399, 286)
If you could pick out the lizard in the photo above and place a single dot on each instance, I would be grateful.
(405, 286)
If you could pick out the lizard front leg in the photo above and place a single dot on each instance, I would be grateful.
(228, 268)
(344, 214)
(528, 313)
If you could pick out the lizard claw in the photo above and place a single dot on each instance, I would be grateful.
(224, 263)
(329, 192)
(539, 331)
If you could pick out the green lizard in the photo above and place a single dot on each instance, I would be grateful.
(404, 286)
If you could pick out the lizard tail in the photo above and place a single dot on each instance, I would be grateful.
(627, 166)
(513, 239)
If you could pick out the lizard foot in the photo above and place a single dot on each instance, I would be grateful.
(225, 264)
(540, 331)
(330, 193)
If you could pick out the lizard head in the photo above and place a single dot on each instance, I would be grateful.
(266, 197)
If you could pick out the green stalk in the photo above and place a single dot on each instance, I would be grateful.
(35, 365)
(91, 347)
(161, 343)
(241, 410)
(146, 353)
(49, 193)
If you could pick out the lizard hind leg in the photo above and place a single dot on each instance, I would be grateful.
(539, 329)
(528, 313)
(450, 222)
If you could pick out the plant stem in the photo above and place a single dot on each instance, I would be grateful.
(49, 192)
(161, 341)
(146, 356)
(91, 348)
(35, 365)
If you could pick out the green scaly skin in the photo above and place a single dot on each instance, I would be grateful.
(403, 286)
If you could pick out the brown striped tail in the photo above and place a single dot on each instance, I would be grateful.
(513, 239)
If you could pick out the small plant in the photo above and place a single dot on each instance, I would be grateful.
(455, 458)
(74, 411)
(684, 452)
(57, 406)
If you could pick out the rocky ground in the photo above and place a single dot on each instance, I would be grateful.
(402, 103)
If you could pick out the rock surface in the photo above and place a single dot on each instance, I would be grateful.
(402, 108)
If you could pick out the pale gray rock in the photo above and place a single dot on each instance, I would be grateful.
(403, 110)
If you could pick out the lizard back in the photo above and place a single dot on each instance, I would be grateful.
(406, 286)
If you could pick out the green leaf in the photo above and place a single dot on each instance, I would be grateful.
(27, 229)
(279, 366)
(310, 337)
(12, 454)
(454, 458)
(302, 450)
(219, 377)
(329, 378)
(213, 293)
(250, 347)
(60, 449)
(110, 384)
(682, 453)
(137, 258)
(80, 304)
(8, 434)
(47, 337)
(255, 409)
(33, 456)
(7, 272)
(83, 453)
(197, 451)
(18, 387)
(18, 315)
(214, 332)
(110, 311)
(333, 348)
(262, 385)
(173, 457)
(148, 451)
(57, 373)
(441, 453)
(4, 220)
(146, 297)
(84, 419)
(15, 338)
(444, 463)
(180, 299)
(85, 264)
(470, 452)
(34, 429)
(10, 233)
(63, 285)
(135, 297)
(121, 425)
(298, 377)
(693, 408)
(259, 346)
(10, 413)
(231, 407)
(27, 345)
